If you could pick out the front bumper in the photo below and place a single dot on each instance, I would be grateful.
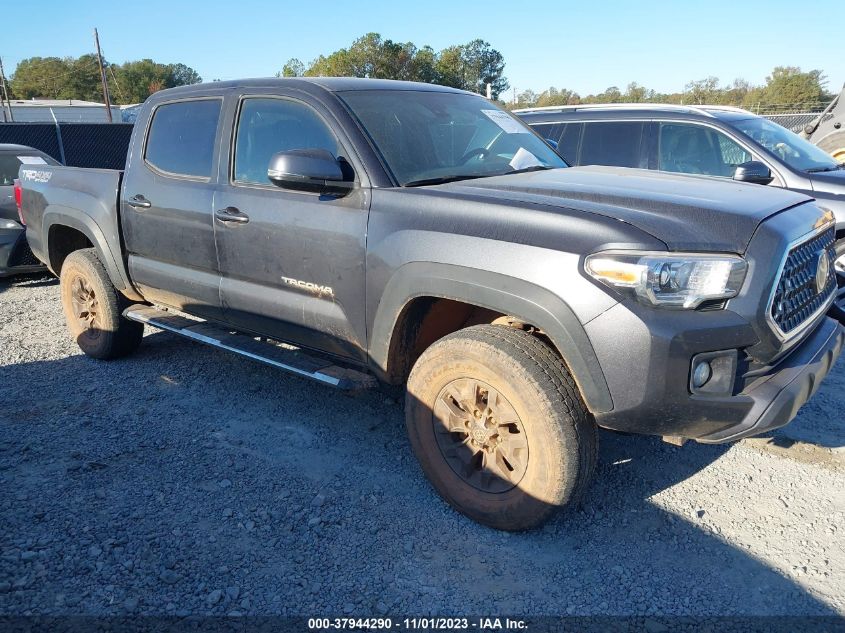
(646, 356)
(777, 396)
(16, 258)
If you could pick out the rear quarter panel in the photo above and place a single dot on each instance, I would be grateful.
(79, 198)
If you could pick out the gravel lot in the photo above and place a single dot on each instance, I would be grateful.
(187, 481)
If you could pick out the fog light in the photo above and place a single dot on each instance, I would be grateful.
(713, 373)
(701, 374)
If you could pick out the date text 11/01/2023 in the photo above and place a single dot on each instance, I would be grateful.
(417, 624)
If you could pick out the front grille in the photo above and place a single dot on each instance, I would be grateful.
(22, 255)
(796, 298)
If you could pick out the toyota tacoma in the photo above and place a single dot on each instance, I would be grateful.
(358, 231)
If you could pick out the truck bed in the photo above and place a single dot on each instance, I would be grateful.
(81, 200)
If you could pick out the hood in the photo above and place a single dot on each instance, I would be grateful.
(829, 181)
(685, 212)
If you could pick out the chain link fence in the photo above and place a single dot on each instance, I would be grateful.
(99, 145)
(795, 121)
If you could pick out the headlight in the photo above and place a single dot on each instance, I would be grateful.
(682, 281)
(9, 224)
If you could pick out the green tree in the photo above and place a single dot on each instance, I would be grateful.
(42, 77)
(470, 66)
(450, 67)
(425, 65)
(555, 97)
(181, 75)
(483, 66)
(79, 78)
(293, 68)
(703, 91)
(788, 87)
(135, 81)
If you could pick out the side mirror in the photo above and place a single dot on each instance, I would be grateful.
(551, 143)
(308, 170)
(753, 171)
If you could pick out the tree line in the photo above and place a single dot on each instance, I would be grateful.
(786, 88)
(471, 66)
(79, 78)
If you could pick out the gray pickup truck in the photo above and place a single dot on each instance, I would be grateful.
(365, 231)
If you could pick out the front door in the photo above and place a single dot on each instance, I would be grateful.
(167, 208)
(292, 262)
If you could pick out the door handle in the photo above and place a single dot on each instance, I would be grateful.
(139, 202)
(231, 214)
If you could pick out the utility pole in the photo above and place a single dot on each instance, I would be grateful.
(4, 97)
(103, 76)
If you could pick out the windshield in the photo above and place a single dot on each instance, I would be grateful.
(427, 137)
(788, 146)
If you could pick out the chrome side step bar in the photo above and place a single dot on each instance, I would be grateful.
(281, 356)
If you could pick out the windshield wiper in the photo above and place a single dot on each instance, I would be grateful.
(815, 170)
(525, 170)
(440, 180)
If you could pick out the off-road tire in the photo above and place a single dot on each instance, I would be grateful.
(101, 332)
(561, 434)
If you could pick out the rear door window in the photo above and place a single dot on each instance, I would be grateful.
(10, 164)
(570, 137)
(616, 143)
(182, 137)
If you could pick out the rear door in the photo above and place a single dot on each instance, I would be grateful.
(615, 143)
(292, 264)
(167, 207)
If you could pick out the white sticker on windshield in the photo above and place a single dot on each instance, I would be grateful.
(523, 159)
(32, 160)
(505, 121)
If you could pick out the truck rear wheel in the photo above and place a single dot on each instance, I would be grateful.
(92, 307)
(499, 426)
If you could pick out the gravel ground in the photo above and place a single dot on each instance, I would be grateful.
(184, 480)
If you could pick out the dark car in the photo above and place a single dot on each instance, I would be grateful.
(15, 255)
(422, 236)
(719, 141)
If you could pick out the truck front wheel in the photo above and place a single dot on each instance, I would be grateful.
(92, 307)
(499, 426)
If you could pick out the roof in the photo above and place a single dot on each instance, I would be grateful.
(11, 147)
(330, 84)
(711, 111)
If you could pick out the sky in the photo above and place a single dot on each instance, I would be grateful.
(583, 46)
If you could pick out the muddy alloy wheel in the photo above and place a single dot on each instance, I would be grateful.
(480, 435)
(499, 426)
(85, 307)
(92, 307)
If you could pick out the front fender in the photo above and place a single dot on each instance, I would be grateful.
(501, 293)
